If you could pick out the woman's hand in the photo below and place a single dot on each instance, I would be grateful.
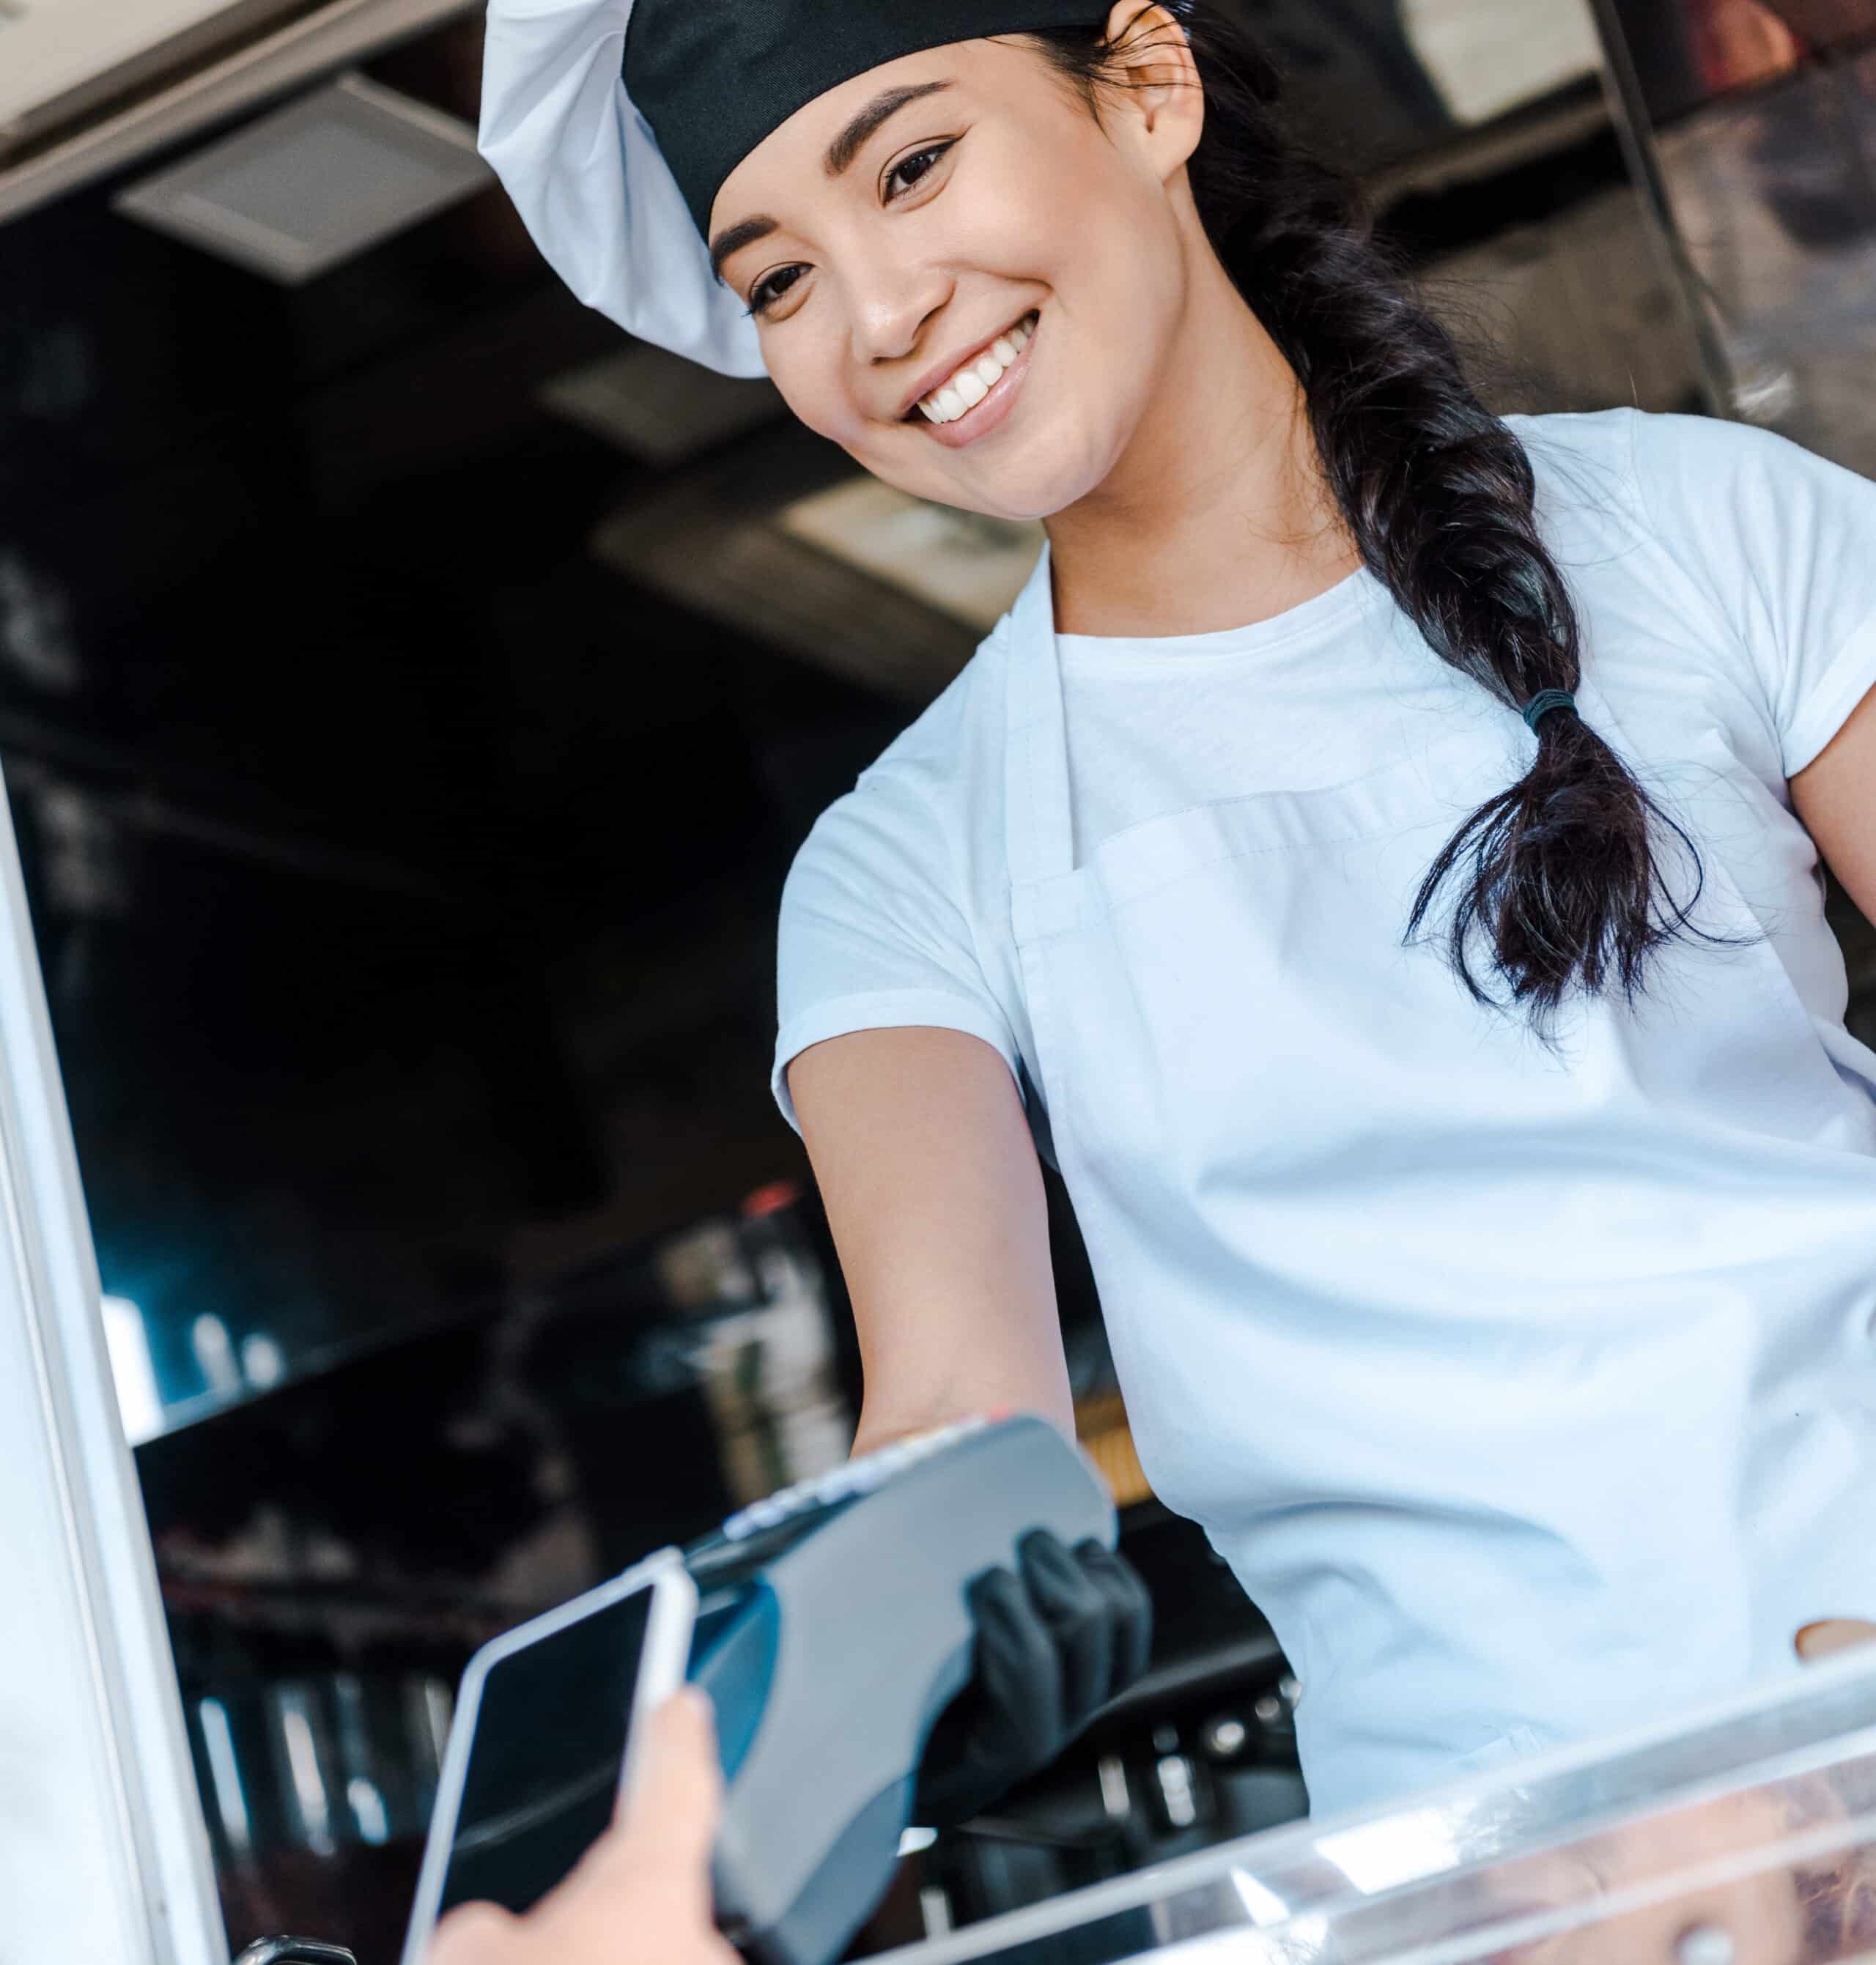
(1834, 1634)
(1054, 1643)
(641, 1894)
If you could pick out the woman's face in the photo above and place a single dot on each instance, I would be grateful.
(896, 237)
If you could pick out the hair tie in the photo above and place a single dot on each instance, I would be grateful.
(1543, 703)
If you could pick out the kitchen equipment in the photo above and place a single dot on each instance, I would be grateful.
(318, 1761)
(294, 1951)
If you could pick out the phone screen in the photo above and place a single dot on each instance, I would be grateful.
(545, 1757)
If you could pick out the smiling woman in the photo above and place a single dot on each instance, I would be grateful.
(892, 259)
(1369, 859)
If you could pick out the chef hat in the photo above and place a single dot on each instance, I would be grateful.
(613, 123)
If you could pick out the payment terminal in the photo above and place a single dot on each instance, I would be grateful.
(830, 1626)
(832, 1629)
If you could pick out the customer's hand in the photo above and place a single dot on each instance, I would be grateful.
(1834, 1634)
(1054, 1643)
(641, 1894)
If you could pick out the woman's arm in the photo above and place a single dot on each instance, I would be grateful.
(1836, 797)
(934, 1194)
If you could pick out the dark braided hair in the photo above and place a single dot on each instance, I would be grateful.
(1559, 873)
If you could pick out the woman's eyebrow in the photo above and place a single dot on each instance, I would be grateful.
(840, 154)
(847, 145)
(736, 237)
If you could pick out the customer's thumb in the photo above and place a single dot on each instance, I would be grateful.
(675, 1792)
(1833, 1634)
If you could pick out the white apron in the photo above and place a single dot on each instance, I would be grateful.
(1528, 1396)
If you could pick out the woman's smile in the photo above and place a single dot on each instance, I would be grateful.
(984, 203)
(979, 391)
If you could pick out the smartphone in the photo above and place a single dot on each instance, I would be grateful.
(541, 1748)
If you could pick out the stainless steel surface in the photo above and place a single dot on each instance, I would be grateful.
(319, 1762)
(294, 1951)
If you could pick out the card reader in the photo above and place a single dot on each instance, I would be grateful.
(832, 1630)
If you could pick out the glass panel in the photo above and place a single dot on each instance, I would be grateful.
(1752, 127)
(1748, 1838)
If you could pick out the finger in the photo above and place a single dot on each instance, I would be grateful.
(1075, 1609)
(676, 1791)
(472, 1934)
(663, 1830)
(1018, 1671)
(1833, 1634)
(1129, 1604)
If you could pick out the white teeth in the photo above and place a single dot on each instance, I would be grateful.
(969, 387)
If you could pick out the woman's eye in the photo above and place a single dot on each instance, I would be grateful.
(908, 171)
(771, 286)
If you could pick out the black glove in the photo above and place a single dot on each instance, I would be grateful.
(1053, 1645)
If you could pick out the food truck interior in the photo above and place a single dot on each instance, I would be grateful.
(412, 693)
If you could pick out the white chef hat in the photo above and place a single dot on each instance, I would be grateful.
(572, 92)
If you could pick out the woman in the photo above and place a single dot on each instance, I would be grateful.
(1376, 859)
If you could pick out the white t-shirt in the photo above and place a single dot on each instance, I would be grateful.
(1478, 1364)
(1724, 579)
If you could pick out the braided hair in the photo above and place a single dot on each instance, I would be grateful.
(1558, 874)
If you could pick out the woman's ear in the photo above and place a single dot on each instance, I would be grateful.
(1156, 76)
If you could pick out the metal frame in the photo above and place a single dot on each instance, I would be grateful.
(1630, 108)
(104, 1856)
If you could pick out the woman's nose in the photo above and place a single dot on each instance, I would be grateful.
(892, 317)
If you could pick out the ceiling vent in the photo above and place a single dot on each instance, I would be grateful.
(299, 192)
